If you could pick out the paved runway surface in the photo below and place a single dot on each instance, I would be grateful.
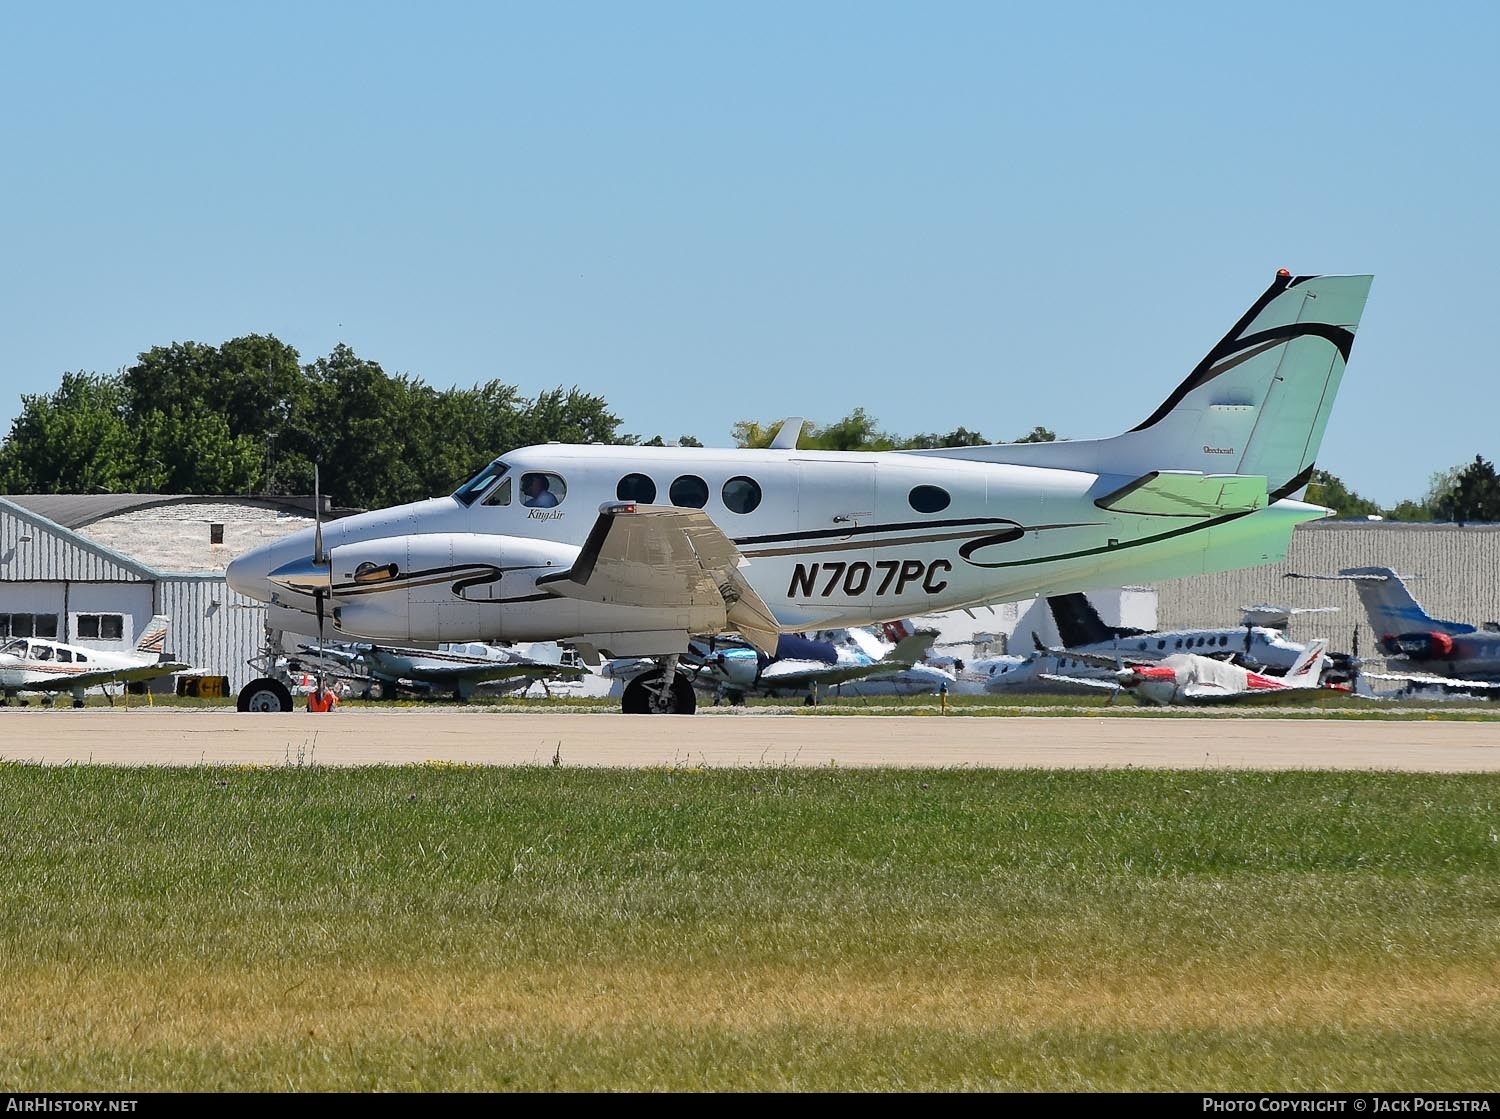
(186, 737)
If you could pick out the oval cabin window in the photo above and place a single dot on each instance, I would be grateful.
(636, 487)
(689, 492)
(929, 499)
(741, 495)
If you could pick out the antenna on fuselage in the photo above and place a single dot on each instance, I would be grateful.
(788, 433)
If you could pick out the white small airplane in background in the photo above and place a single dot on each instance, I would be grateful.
(32, 664)
(461, 668)
(1186, 678)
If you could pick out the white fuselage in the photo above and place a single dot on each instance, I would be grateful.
(36, 664)
(835, 539)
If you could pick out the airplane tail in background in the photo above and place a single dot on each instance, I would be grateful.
(1079, 623)
(154, 639)
(1256, 405)
(909, 650)
(1307, 670)
(1390, 606)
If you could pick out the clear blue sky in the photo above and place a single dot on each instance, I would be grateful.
(979, 214)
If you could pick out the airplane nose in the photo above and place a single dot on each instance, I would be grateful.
(304, 574)
(246, 575)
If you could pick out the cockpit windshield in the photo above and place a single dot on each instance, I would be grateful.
(16, 648)
(476, 486)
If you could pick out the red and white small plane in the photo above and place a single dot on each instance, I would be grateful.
(30, 664)
(1186, 678)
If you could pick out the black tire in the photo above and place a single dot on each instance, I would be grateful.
(639, 700)
(265, 694)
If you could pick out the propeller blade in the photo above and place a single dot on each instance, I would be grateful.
(319, 556)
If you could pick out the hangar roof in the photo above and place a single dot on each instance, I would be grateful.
(77, 510)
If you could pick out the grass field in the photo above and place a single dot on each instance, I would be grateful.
(453, 928)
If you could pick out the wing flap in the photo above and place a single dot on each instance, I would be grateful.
(663, 556)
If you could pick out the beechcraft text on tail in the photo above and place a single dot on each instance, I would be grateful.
(632, 551)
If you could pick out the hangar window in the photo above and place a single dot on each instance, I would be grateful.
(689, 492)
(100, 627)
(928, 499)
(636, 487)
(28, 625)
(215, 533)
(741, 495)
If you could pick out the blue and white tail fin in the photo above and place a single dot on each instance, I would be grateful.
(154, 637)
(1256, 405)
(1390, 606)
(1307, 670)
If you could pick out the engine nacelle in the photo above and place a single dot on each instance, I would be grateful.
(450, 586)
(1418, 646)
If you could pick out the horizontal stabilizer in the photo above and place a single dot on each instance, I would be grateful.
(1182, 493)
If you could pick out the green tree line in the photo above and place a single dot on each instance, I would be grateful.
(249, 417)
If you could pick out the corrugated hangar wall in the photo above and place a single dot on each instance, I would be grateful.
(1452, 570)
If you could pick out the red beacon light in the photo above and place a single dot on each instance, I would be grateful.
(1283, 272)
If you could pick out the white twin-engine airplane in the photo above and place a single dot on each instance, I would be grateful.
(630, 551)
(32, 664)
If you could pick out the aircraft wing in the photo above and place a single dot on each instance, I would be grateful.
(786, 674)
(663, 556)
(110, 676)
(1081, 681)
(1421, 678)
(338, 656)
(498, 671)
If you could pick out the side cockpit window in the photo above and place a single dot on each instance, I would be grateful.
(500, 494)
(476, 486)
(541, 489)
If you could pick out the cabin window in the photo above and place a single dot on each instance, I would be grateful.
(637, 488)
(215, 533)
(486, 477)
(1178, 643)
(501, 494)
(81, 658)
(689, 492)
(1162, 644)
(928, 499)
(741, 495)
(541, 489)
(65, 655)
(1223, 639)
(100, 627)
(41, 652)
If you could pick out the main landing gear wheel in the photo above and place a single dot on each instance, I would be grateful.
(265, 694)
(643, 696)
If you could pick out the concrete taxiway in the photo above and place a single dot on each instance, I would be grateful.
(371, 737)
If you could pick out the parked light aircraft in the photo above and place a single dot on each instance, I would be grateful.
(460, 669)
(1186, 678)
(1250, 645)
(1408, 635)
(834, 661)
(30, 664)
(765, 542)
